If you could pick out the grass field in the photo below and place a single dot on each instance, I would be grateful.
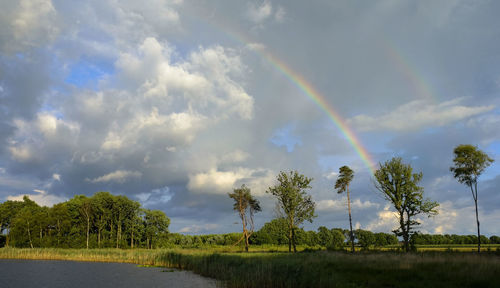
(305, 269)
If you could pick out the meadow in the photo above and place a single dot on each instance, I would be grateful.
(269, 267)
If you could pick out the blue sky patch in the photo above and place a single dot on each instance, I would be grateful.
(284, 137)
(86, 74)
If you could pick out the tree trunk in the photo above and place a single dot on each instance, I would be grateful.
(290, 239)
(58, 227)
(88, 231)
(131, 238)
(408, 229)
(99, 228)
(246, 240)
(29, 235)
(118, 233)
(293, 240)
(403, 231)
(350, 219)
(474, 195)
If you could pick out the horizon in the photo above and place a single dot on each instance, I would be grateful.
(174, 104)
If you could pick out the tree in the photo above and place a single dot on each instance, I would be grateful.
(8, 211)
(246, 205)
(293, 202)
(274, 232)
(86, 210)
(365, 238)
(156, 225)
(470, 163)
(342, 185)
(399, 185)
(325, 236)
(337, 241)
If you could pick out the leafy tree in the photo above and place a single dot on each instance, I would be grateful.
(86, 208)
(342, 185)
(494, 240)
(365, 238)
(325, 236)
(337, 240)
(470, 163)
(274, 232)
(156, 224)
(103, 205)
(8, 211)
(246, 206)
(399, 185)
(293, 202)
(60, 220)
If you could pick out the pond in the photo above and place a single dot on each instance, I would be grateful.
(55, 274)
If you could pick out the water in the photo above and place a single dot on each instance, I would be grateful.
(55, 274)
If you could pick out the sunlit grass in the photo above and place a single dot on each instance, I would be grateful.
(307, 269)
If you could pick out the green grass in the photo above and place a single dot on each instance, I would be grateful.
(313, 269)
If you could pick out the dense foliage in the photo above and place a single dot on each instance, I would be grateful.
(293, 202)
(438, 239)
(103, 220)
(399, 185)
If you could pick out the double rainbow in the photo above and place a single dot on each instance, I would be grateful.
(300, 82)
(303, 85)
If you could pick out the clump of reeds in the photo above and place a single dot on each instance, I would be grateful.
(313, 269)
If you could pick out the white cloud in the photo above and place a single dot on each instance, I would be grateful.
(259, 13)
(255, 46)
(341, 204)
(41, 197)
(20, 153)
(280, 14)
(332, 175)
(27, 24)
(119, 176)
(418, 114)
(222, 182)
(386, 221)
(206, 82)
(236, 156)
(43, 133)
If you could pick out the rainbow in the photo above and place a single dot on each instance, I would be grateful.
(420, 85)
(322, 103)
(300, 82)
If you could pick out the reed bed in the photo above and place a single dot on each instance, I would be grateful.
(313, 269)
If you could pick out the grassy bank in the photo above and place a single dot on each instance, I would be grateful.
(316, 269)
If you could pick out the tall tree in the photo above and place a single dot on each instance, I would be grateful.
(86, 210)
(470, 163)
(156, 225)
(246, 206)
(8, 211)
(399, 185)
(293, 202)
(342, 185)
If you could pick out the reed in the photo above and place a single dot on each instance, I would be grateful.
(313, 269)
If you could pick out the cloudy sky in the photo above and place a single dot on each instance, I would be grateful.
(173, 103)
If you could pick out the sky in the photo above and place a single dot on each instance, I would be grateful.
(175, 103)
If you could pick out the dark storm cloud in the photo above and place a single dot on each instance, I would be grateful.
(164, 104)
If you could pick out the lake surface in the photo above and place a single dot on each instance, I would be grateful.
(55, 274)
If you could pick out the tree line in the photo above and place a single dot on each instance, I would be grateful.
(103, 220)
(394, 179)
